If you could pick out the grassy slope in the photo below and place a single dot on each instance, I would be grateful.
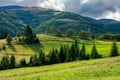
(101, 69)
(49, 42)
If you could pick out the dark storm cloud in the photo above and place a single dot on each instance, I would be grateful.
(90, 8)
(97, 8)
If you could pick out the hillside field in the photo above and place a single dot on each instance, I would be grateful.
(99, 69)
(48, 42)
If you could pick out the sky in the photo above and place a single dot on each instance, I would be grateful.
(97, 9)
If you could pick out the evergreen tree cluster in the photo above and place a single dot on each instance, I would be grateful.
(7, 63)
(66, 53)
(28, 36)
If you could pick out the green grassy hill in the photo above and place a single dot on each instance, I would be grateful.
(99, 69)
(48, 42)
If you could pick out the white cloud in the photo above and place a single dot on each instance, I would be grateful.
(112, 15)
(53, 4)
(18, 0)
(84, 1)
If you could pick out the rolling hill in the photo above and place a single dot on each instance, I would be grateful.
(14, 18)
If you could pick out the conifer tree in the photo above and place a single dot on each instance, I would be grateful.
(53, 57)
(12, 62)
(28, 34)
(34, 61)
(62, 54)
(87, 56)
(8, 39)
(74, 52)
(42, 57)
(114, 50)
(5, 63)
(82, 55)
(23, 63)
(67, 55)
(94, 53)
(31, 61)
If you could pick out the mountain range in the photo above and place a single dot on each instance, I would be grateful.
(14, 18)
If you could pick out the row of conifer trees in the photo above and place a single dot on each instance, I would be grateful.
(66, 53)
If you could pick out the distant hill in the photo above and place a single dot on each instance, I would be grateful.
(14, 18)
(11, 7)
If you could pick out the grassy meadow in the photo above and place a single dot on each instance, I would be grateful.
(99, 69)
(48, 42)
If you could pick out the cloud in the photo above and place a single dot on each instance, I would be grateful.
(84, 1)
(54, 4)
(112, 15)
(91, 8)
(18, 0)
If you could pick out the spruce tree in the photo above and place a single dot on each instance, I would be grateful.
(23, 63)
(94, 53)
(87, 56)
(74, 52)
(114, 50)
(67, 55)
(8, 39)
(42, 57)
(31, 61)
(34, 61)
(53, 57)
(62, 54)
(5, 63)
(82, 55)
(28, 35)
(12, 62)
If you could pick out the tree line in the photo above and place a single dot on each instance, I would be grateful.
(28, 37)
(66, 53)
(108, 36)
(83, 34)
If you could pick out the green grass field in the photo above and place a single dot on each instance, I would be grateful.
(49, 42)
(99, 69)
